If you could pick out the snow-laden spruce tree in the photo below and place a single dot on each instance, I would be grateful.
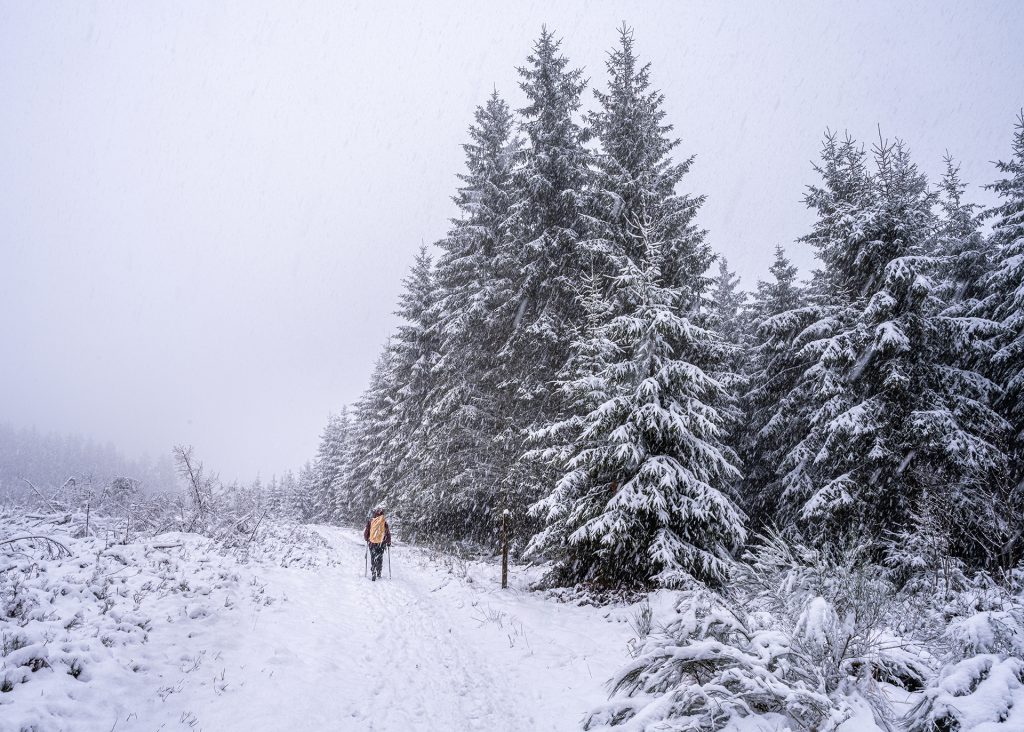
(779, 314)
(1005, 301)
(414, 354)
(550, 254)
(289, 497)
(280, 496)
(966, 253)
(548, 223)
(644, 498)
(643, 493)
(636, 178)
(897, 419)
(727, 314)
(474, 312)
(402, 425)
(305, 492)
(330, 466)
(373, 414)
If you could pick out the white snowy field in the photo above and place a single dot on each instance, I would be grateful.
(260, 646)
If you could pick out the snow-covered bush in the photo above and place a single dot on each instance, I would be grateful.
(798, 640)
(707, 667)
(980, 687)
(981, 693)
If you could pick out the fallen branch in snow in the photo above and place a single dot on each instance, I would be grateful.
(39, 493)
(59, 519)
(54, 549)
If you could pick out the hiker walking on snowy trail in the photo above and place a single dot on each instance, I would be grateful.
(378, 535)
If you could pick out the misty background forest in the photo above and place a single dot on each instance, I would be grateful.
(790, 504)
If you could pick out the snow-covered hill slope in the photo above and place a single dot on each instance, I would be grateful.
(265, 647)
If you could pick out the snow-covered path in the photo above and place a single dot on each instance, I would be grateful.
(425, 651)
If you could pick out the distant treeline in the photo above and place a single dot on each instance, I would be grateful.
(49, 460)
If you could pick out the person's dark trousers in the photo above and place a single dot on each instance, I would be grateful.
(376, 559)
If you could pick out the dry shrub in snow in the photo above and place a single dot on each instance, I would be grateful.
(72, 623)
(242, 520)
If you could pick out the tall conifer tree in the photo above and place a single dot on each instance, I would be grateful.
(330, 466)
(643, 493)
(779, 315)
(405, 426)
(1005, 305)
(965, 252)
(550, 256)
(897, 422)
(475, 282)
(1006, 284)
(363, 486)
(637, 179)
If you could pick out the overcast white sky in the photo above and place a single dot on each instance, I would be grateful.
(206, 208)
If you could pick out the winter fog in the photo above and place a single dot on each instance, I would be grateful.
(207, 209)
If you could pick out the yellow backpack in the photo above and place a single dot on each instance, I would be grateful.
(377, 530)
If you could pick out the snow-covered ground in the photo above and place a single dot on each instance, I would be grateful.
(282, 630)
(429, 649)
(267, 647)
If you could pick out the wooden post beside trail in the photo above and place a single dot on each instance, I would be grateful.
(504, 549)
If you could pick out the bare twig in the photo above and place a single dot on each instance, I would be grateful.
(253, 534)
